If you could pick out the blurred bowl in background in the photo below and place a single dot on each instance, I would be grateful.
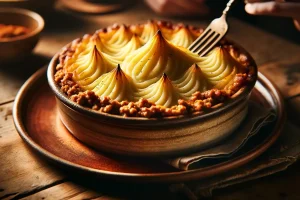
(15, 48)
(96, 6)
(36, 5)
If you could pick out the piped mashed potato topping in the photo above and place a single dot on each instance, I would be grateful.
(146, 70)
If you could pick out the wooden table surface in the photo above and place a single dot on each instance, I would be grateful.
(25, 175)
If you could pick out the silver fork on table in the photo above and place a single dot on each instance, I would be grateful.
(212, 34)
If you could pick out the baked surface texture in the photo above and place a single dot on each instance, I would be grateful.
(146, 70)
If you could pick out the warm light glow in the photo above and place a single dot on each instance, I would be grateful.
(153, 63)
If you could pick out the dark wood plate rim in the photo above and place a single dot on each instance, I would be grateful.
(154, 177)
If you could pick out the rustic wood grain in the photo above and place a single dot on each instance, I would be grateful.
(285, 74)
(67, 190)
(97, 189)
(13, 76)
(293, 110)
(264, 47)
(283, 185)
(7, 132)
(21, 171)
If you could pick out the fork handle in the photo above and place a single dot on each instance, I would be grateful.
(227, 7)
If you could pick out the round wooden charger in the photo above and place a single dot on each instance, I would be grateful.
(37, 121)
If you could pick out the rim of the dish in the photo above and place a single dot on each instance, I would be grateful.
(240, 95)
(160, 176)
(20, 11)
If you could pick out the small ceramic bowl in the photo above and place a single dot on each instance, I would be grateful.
(16, 48)
(138, 136)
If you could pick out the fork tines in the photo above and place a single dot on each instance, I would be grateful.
(203, 44)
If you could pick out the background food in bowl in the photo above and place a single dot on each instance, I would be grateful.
(8, 31)
(16, 48)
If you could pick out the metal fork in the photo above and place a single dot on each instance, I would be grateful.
(212, 34)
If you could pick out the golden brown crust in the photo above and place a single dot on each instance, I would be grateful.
(143, 108)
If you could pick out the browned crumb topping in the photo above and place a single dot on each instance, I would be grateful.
(143, 108)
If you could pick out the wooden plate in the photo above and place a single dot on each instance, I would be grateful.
(36, 120)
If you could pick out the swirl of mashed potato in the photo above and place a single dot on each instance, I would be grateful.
(117, 54)
(115, 85)
(87, 68)
(163, 92)
(219, 68)
(116, 37)
(147, 64)
(192, 81)
(180, 35)
(145, 31)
